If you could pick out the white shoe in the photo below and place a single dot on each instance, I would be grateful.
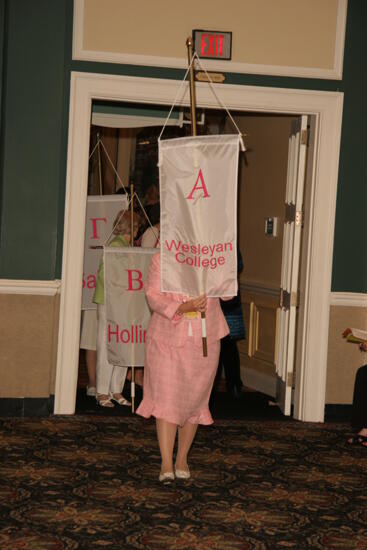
(182, 474)
(120, 400)
(91, 391)
(104, 401)
(167, 476)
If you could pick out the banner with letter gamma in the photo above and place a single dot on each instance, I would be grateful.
(101, 213)
(198, 190)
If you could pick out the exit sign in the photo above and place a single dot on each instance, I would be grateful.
(213, 44)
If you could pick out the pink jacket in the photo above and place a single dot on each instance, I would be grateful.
(173, 329)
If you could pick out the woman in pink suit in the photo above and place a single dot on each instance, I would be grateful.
(178, 379)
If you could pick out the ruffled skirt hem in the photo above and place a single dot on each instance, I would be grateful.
(148, 409)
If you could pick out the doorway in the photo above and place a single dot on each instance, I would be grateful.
(264, 173)
(326, 107)
(124, 149)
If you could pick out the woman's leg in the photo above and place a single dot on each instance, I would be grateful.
(118, 379)
(139, 376)
(91, 360)
(186, 436)
(88, 342)
(166, 433)
(104, 368)
(117, 384)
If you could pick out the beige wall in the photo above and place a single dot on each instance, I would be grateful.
(286, 32)
(263, 173)
(262, 183)
(28, 343)
(343, 358)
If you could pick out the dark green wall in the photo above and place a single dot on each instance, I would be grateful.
(3, 43)
(36, 80)
(32, 133)
(350, 251)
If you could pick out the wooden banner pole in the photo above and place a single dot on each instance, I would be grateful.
(189, 44)
(132, 391)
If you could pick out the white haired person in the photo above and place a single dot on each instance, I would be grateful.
(110, 378)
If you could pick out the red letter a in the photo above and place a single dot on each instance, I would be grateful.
(196, 187)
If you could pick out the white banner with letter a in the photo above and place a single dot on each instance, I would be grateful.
(198, 189)
(127, 311)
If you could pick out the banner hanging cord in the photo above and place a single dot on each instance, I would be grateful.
(94, 148)
(243, 148)
(210, 82)
(112, 165)
(175, 100)
(146, 216)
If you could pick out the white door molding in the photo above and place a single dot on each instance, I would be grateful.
(326, 106)
(348, 299)
(31, 287)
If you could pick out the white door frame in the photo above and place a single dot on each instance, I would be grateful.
(291, 264)
(326, 106)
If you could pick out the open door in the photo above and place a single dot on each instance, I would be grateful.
(287, 315)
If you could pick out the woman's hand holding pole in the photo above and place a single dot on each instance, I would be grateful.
(193, 304)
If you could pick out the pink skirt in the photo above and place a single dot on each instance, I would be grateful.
(178, 382)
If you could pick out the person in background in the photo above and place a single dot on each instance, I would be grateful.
(151, 195)
(178, 379)
(88, 339)
(359, 408)
(229, 356)
(150, 238)
(110, 378)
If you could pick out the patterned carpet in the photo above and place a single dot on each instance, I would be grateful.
(91, 482)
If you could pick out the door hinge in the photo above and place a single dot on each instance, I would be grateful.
(285, 299)
(288, 299)
(293, 215)
(290, 212)
(299, 218)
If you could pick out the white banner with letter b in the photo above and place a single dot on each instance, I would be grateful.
(127, 311)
